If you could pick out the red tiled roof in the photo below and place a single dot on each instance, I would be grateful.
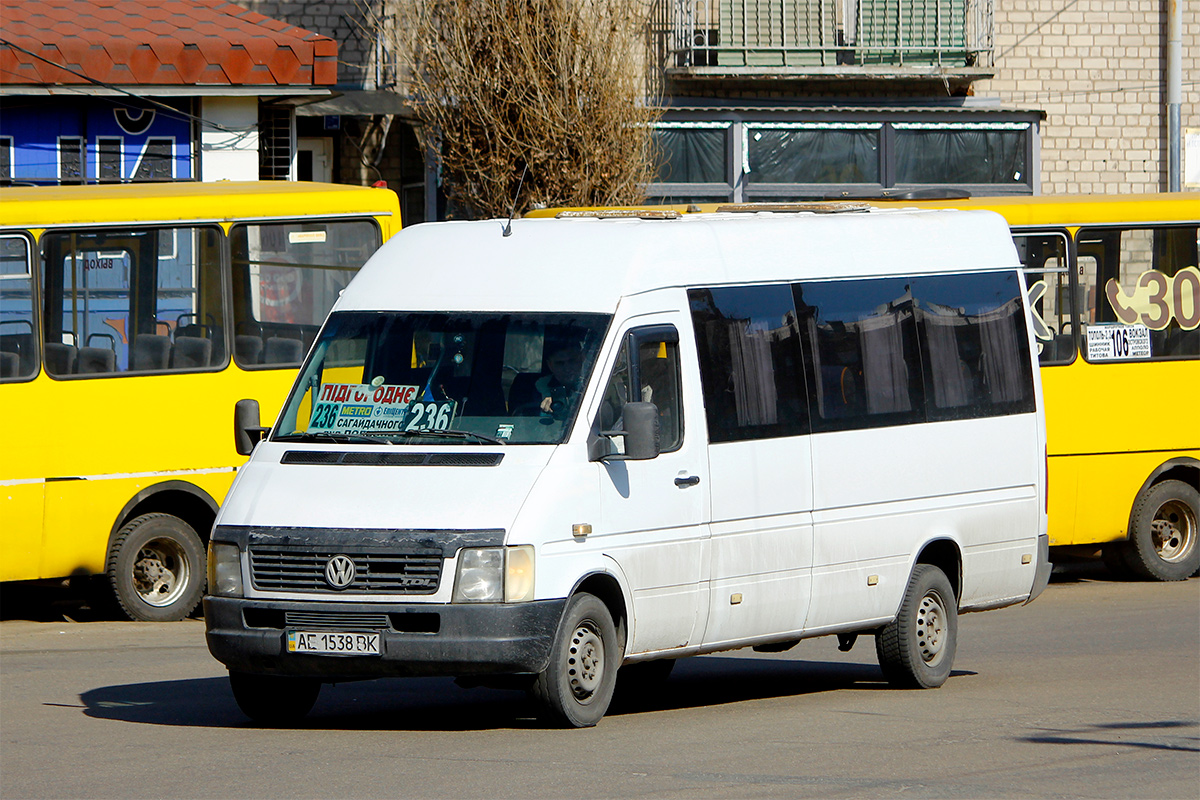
(167, 42)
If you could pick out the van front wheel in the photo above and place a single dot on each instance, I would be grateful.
(576, 687)
(916, 650)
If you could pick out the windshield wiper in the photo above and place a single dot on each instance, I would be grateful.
(322, 436)
(479, 437)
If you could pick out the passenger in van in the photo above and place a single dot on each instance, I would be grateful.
(560, 389)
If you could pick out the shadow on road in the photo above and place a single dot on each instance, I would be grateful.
(437, 704)
(1127, 735)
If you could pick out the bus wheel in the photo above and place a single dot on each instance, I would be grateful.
(577, 685)
(916, 650)
(156, 568)
(274, 700)
(1163, 534)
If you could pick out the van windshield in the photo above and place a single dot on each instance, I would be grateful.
(443, 378)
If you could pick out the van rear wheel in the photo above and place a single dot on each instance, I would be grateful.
(575, 689)
(274, 700)
(916, 650)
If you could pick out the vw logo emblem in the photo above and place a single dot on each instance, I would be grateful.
(339, 572)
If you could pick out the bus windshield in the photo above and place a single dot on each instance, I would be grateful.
(443, 378)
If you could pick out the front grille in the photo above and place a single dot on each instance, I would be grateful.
(337, 620)
(281, 568)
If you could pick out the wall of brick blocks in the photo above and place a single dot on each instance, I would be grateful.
(1098, 70)
(345, 21)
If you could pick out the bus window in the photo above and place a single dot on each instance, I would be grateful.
(133, 300)
(1048, 276)
(18, 357)
(1142, 289)
(286, 277)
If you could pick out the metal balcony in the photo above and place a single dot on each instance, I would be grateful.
(948, 40)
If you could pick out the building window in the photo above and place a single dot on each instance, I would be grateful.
(276, 143)
(157, 162)
(109, 154)
(6, 148)
(70, 159)
(812, 153)
(973, 153)
(780, 156)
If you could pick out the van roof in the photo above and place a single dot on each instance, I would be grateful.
(588, 264)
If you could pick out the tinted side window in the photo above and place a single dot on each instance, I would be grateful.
(860, 345)
(974, 348)
(748, 341)
(654, 378)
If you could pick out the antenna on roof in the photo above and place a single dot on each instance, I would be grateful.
(512, 211)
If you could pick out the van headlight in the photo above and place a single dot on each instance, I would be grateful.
(494, 575)
(224, 570)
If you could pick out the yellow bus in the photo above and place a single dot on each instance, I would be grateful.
(1114, 284)
(132, 318)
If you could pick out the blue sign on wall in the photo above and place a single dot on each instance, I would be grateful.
(89, 140)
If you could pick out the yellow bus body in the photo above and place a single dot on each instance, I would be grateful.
(82, 456)
(1109, 426)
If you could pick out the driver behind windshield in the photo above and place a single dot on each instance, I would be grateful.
(560, 388)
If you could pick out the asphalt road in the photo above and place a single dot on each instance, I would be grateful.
(1092, 691)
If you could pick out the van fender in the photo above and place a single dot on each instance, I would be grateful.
(608, 582)
(945, 552)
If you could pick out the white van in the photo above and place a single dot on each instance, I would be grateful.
(558, 449)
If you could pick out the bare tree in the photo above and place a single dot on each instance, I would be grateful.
(554, 90)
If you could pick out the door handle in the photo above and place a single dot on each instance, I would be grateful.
(690, 480)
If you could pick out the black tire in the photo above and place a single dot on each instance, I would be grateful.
(916, 650)
(156, 568)
(577, 685)
(1163, 533)
(274, 700)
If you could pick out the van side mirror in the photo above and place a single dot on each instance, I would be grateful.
(247, 428)
(640, 432)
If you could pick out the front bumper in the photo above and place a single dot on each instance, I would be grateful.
(452, 640)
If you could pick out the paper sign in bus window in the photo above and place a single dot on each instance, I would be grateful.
(1113, 342)
(365, 408)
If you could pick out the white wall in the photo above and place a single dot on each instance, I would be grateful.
(229, 139)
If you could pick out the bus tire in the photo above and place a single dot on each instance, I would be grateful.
(156, 568)
(916, 650)
(575, 689)
(1163, 533)
(274, 700)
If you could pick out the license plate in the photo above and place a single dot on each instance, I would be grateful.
(333, 643)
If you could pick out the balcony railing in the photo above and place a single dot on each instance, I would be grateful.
(780, 38)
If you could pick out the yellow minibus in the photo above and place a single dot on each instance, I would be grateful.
(132, 317)
(1114, 284)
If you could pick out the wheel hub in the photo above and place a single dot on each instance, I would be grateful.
(1173, 531)
(585, 662)
(159, 574)
(931, 629)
